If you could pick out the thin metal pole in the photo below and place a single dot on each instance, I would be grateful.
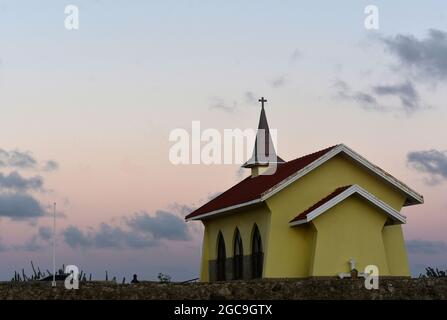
(53, 284)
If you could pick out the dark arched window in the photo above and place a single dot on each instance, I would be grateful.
(257, 256)
(238, 256)
(221, 257)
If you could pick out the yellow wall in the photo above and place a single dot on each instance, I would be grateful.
(289, 246)
(290, 250)
(396, 253)
(256, 171)
(227, 224)
(351, 229)
(204, 270)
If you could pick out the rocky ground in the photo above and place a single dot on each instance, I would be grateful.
(260, 289)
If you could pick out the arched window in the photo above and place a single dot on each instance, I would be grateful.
(238, 256)
(221, 257)
(257, 256)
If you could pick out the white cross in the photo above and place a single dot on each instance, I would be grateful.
(349, 275)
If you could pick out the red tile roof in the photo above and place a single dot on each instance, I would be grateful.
(251, 189)
(303, 215)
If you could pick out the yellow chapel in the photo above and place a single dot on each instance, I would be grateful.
(324, 214)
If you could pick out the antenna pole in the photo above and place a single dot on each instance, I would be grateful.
(53, 283)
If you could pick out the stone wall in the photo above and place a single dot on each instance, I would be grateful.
(259, 289)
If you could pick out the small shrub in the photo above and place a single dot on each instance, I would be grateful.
(164, 278)
(433, 273)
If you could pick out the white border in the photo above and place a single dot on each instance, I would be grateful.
(345, 194)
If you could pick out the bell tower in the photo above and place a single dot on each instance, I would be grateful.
(264, 153)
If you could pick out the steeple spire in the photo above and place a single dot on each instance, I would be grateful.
(264, 152)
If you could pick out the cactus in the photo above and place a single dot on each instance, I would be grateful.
(38, 274)
(34, 270)
(433, 273)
